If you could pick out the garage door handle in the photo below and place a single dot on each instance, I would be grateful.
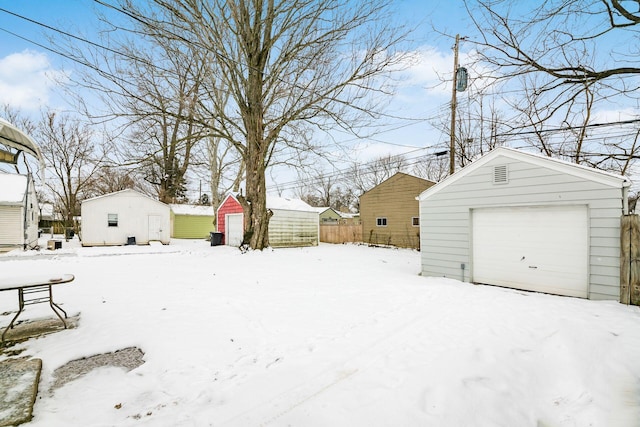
(533, 266)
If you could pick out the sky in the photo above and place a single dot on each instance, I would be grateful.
(333, 335)
(28, 71)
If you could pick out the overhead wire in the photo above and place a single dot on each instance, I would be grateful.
(413, 121)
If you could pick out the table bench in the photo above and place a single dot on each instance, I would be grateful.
(35, 290)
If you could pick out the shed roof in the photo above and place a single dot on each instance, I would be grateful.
(584, 172)
(13, 188)
(193, 210)
(286, 204)
(121, 192)
(393, 179)
(281, 203)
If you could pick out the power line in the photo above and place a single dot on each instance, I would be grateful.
(410, 161)
(413, 120)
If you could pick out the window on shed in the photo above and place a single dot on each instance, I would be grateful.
(112, 220)
(415, 221)
(381, 222)
(500, 175)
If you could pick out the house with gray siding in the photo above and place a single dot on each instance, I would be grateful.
(524, 221)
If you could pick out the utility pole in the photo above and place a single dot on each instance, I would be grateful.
(452, 131)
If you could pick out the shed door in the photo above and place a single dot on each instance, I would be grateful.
(542, 249)
(234, 225)
(155, 227)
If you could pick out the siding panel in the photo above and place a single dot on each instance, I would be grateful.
(395, 200)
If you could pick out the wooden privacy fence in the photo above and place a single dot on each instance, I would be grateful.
(340, 233)
(630, 259)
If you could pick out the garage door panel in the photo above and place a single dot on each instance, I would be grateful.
(534, 248)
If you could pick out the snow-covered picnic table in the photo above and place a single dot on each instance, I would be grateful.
(34, 290)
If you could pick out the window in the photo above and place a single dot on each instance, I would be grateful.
(381, 222)
(112, 220)
(415, 221)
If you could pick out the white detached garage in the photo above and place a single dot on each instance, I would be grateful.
(529, 222)
(124, 217)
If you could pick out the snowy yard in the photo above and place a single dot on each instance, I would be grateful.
(335, 335)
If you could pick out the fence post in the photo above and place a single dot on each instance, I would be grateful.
(630, 259)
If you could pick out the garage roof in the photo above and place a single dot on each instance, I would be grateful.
(588, 173)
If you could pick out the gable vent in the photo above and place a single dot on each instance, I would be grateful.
(500, 174)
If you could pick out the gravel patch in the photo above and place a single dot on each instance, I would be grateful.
(128, 358)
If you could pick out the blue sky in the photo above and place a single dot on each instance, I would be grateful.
(22, 63)
(24, 66)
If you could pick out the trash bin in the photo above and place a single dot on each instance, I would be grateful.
(131, 240)
(216, 238)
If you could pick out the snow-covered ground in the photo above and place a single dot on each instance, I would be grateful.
(335, 335)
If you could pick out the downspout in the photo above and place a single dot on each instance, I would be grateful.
(25, 216)
(625, 197)
(625, 211)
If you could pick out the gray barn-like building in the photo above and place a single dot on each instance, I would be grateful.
(528, 222)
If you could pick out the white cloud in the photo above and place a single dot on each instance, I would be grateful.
(27, 80)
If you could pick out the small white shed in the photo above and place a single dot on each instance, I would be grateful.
(123, 217)
(19, 212)
(524, 221)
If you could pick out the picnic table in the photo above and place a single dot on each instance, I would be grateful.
(35, 290)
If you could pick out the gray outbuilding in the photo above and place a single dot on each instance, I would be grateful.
(524, 221)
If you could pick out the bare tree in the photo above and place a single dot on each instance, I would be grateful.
(110, 179)
(552, 54)
(287, 65)
(73, 157)
(364, 177)
(149, 88)
(434, 168)
(326, 190)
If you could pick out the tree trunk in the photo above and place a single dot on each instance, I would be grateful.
(256, 216)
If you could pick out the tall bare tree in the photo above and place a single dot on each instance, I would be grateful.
(73, 156)
(287, 64)
(567, 58)
(324, 189)
(364, 177)
(163, 134)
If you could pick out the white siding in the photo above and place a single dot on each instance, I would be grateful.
(293, 228)
(133, 210)
(445, 217)
(11, 227)
(17, 228)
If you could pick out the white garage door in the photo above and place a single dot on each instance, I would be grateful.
(541, 249)
(233, 229)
